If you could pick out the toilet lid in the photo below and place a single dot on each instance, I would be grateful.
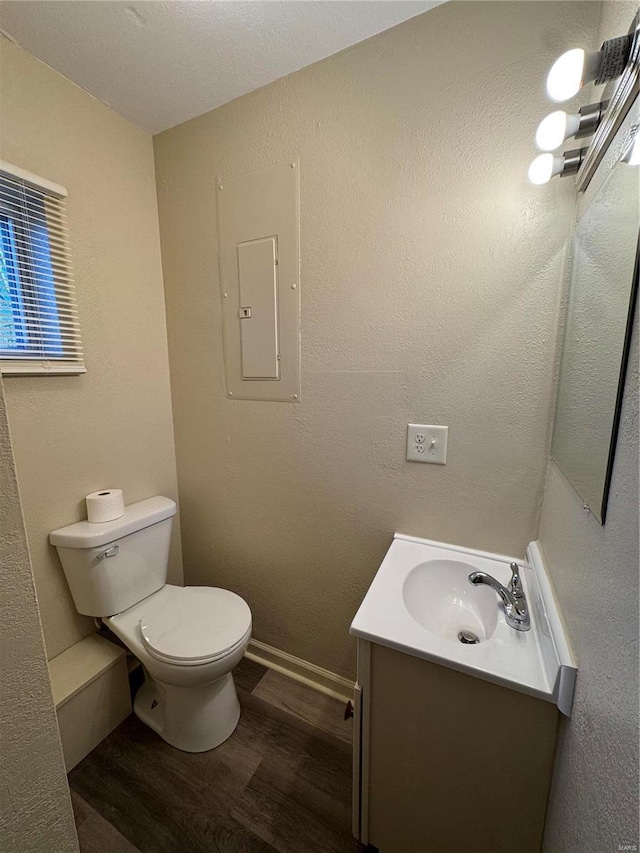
(195, 624)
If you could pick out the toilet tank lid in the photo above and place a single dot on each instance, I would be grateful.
(87, 534)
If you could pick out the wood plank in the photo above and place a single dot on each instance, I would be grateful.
(303, 785)
(248, 673)
(279, 783)
(95, 834)
(160, 798)
(315, 708)
(273, 808)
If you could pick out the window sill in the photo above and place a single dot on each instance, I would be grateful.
(38, 368)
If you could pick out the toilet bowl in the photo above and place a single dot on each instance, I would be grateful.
(188, 639)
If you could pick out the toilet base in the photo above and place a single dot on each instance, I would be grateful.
(194, 718)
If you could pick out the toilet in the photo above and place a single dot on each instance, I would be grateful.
(188, 639)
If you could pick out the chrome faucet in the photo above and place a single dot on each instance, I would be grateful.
(515, 604)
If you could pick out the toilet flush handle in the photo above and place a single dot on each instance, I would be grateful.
(110, 552)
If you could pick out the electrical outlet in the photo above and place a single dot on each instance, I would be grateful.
(427, 443)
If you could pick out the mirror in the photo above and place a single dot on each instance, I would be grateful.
(603, 284)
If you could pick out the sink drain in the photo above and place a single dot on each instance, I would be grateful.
(468, 638)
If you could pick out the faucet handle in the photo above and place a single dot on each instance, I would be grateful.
(516, 581)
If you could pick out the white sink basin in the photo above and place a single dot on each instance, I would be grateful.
(440, 598)
(421, 600)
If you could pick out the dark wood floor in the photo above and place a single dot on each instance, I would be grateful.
(282, 782)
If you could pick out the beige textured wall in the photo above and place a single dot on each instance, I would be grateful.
(111, 427)
(594, 799)
(430, 287)
(35, 808)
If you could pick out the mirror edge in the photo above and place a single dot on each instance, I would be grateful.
(633, 298)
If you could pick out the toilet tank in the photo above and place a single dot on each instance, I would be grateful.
(112, 565)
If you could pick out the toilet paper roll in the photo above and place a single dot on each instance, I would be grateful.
(105, 505)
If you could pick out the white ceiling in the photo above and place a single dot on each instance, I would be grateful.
(161, 63)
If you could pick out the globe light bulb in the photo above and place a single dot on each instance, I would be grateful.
(543, 168)
(565, 77)
(555, 128)
(551, 132)
(576, 67)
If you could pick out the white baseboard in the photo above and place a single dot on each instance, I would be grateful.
(301, 670)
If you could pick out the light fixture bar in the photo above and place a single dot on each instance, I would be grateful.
(614, 55)
(590, 117)
(571, 161)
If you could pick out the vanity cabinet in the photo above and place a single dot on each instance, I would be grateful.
(445, 761)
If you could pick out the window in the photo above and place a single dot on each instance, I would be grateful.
(39, 331)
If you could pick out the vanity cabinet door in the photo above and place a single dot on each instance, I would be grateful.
(450, 757)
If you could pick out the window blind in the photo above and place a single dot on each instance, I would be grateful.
(39, 328)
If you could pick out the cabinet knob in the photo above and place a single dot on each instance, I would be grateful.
(348, 710)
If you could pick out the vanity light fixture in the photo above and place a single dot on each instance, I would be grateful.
(617, 62)
(573, 69)
(559, 125)
(545, 166)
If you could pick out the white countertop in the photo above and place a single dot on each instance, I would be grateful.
(523, 661)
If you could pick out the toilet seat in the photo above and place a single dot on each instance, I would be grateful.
(188, 626)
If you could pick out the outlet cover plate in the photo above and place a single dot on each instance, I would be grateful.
(427, 443)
